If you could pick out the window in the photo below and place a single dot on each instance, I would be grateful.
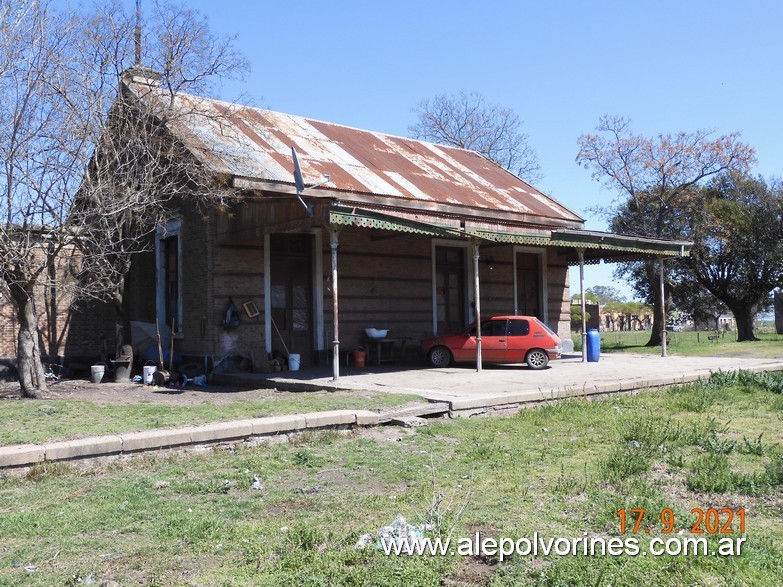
(493, 328)
(519, 328)
(169, 282)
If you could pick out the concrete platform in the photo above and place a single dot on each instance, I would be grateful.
(458, 391)
(464, 388)
(125, 443)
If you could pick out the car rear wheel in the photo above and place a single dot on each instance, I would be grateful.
(440, 356)
(537, 359)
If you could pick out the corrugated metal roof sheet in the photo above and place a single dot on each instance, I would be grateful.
(252, 143)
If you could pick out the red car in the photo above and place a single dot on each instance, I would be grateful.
(504, 339)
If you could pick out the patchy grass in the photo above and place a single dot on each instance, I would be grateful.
(45, 420)
(693, 344)
(560, 470)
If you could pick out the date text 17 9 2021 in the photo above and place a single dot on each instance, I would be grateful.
(702, 521)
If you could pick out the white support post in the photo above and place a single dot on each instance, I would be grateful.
(663, 308)
(581, 253)
(333, 243)
(478, 305)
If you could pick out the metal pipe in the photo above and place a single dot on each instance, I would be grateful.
(581, 253)
(663, 309)
(333, 244)
(477, 304)
(137, 35)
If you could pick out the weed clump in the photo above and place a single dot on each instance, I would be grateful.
(747, 380)
(712, 474)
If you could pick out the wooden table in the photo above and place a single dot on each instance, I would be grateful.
(379, 344)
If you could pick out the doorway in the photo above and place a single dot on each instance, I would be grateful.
(528, 284)
(450, 291)
(291, 294)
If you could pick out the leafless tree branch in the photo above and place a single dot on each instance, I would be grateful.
(89, 170)
(466, 121)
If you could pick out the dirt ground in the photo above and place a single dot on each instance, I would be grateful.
(129, 393)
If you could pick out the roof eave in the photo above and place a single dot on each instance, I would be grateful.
(359, 198)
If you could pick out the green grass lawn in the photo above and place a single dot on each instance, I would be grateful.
(691, 344)
(39, 421)
(562, 470)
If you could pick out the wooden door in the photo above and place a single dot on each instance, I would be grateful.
(291, 278)
(529, 285)
(450, 289)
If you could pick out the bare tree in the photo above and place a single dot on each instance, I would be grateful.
(655, 179)
(87, 164)
(465, 120)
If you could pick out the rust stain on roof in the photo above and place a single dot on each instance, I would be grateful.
(256, 144)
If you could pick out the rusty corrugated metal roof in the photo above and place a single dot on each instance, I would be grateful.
(252, 143)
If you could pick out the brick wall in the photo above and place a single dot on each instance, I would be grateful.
(69, 330)
(8, 327)
(212, 272)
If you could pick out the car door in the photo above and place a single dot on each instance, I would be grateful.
(493, 343)
(518, 339)
(493, 340)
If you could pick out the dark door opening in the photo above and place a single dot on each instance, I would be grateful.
(450, 289)
(291, 278)
(529, 285)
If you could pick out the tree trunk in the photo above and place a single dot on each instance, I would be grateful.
(122, 329)
(744, 317)
(653, 280)
(28, 352)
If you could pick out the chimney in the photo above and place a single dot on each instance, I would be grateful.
(139, 74)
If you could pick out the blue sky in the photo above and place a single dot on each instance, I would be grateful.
(668, 66)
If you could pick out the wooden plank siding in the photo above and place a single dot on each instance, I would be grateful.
(384, 281)
(497, 283)
(237, 274)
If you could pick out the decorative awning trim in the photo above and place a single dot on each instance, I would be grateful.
(596, 245)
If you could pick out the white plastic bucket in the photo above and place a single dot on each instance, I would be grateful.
(96, 373)
(149, 372)
(293, 362)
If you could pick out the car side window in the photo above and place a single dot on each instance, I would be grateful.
(493, 328)
(519, 328)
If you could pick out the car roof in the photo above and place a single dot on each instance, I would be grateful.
(511, 318)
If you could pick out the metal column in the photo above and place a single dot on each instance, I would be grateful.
(333, 243)
(478, 305)
(581, 253)
(663, 309)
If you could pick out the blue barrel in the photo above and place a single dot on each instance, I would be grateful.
(593, 345)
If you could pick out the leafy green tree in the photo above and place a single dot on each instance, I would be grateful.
(655, 179)
(603, 294)
(692, 298)
(576, 318)
(590, 298)
(737, 253)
